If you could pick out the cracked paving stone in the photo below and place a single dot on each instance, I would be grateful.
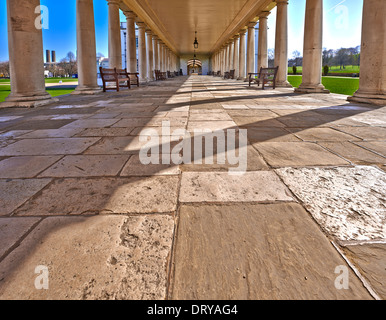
(105, 195)
(262, 251)
(100, 257)
(348, 203)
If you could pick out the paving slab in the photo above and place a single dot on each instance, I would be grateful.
(87, 166)
(51, 133)
(211, 125)
(91, 123)
(40, 124)
(25, 166)
(366, 133)
(377, 146)
(348, 203)
(136, 168)
(371, 261)
(95, 258)
(255, 252)
(255, 186)
(321, 134)
(50, 146)
(103, 196)
(15, 192)
(354, 153)
(273, 134)
(12, 231)
(257, 122)
(105, 132)
(282, 154)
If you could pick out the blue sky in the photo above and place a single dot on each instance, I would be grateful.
(342, 26)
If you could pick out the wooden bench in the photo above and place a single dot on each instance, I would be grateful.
(160, 75)
(229, 74)
(134, 78)
(265, 76)
(118, 76)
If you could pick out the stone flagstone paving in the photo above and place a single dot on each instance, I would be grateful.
(76, 198)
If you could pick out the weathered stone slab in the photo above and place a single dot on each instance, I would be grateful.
(271, 251)
(377, 146)
(283, 154)
(136, 168)
(96, 258)
(322, 134)
(51, 146)
(258, 186)
(51, 133)
(371, 260)
(366, 133)
(87, 166)
(105, 195)
(349, 203)
(15, 192)
(12, 230)
(273, 134)
(91, 123)
(353, 152)
(25, 166)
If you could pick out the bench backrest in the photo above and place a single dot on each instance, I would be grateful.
(107, 74)
(122, 73)
(269, 73)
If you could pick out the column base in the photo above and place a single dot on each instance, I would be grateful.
(377, 99)
(283, 84)
(87, 90)
(28, 101)
(311, 89)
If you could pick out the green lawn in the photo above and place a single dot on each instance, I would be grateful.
(340, 85)
(5, 87)
(333, 69)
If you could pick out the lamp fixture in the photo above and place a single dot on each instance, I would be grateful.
(195, 42)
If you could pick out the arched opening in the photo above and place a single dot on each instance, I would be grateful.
(194, 67)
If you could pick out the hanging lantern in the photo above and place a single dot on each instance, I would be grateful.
(195, 42)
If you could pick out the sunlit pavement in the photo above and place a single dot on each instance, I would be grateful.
(82, 217)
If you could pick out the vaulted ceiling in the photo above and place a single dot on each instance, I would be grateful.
(175, 21)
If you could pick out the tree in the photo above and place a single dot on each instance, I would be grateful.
(271, 57)
(296, 55)
(69, 64)
(4, 69)
(341, 57)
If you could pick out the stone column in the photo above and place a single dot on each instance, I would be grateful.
(25, 46)
(86, 48)
(149, 55)
(281, 43)
(160, 54)
(131, 42)
(236, 55)
(263, 41)
(155, 53)
(242, 66)
(312, 52)
(251, 49)
(372, 81)
(115, 49)
(227, 54)
(231, 54)
(142, 52)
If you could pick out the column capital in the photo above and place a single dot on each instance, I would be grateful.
(252, 24)
(281, 2)
(236, 37)
(129, 14)
(155, 37)
(116, 2)
(140, 24)
(242, 32)
(264, 15)
(148, 31)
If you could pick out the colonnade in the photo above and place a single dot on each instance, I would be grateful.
(237, 53)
